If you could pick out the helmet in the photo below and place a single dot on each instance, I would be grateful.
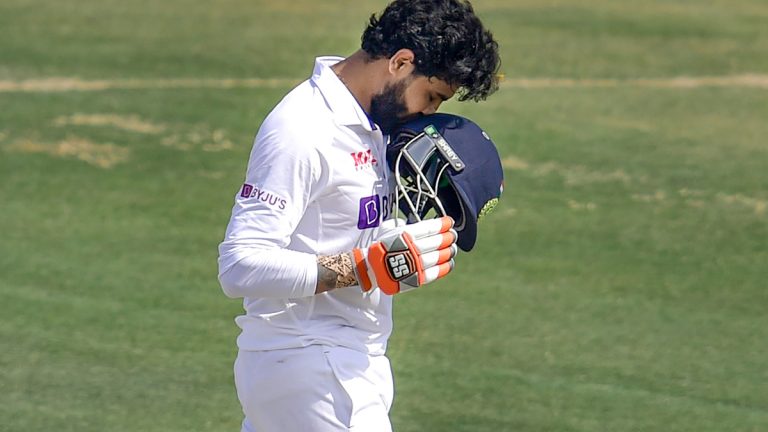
(446, 164)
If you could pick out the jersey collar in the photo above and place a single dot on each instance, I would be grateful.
(346, 109)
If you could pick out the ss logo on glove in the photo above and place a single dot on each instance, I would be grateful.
(400, 265)
(406, 256)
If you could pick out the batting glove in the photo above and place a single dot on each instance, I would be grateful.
(408, 257)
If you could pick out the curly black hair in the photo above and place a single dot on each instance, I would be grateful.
(448, 40)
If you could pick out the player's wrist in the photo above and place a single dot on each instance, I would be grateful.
(335, 271)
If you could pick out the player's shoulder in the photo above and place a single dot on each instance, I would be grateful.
(300, 120)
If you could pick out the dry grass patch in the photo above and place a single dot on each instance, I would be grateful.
(60, 84)
(100, 155)
(681, 82)
(572, 174)
(759, 206)
(63, 84)
(130, 123)
(200, 138)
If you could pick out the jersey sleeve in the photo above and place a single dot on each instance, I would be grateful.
(254, 259)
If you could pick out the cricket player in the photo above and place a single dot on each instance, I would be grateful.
(311, 246)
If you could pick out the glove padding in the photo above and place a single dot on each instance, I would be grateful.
(407, 256)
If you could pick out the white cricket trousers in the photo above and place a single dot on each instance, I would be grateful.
(314, 389)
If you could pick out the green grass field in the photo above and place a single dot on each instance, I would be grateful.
(619, 286)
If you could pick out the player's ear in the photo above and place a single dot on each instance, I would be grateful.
(402, 63)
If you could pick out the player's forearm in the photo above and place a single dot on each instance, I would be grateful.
(267, 273)
(335, 271)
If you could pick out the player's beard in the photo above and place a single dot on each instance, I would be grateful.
(388, 108)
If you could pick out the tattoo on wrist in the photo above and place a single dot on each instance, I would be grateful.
(335, 271)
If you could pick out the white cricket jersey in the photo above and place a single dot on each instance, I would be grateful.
(317, 184)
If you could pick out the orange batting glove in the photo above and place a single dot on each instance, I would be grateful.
(408, 257)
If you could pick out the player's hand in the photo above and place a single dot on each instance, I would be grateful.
(407, 256)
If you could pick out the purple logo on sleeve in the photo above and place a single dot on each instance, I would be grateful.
(247, 189)
(260, 195)
(368, 216)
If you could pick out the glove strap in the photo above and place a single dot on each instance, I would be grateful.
(360, 270)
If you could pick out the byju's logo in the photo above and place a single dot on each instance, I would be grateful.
(250, 191)
(247, 189)
(368, 216)
(373, 210)
(363, 159)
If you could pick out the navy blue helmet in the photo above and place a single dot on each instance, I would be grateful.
(447, 164)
